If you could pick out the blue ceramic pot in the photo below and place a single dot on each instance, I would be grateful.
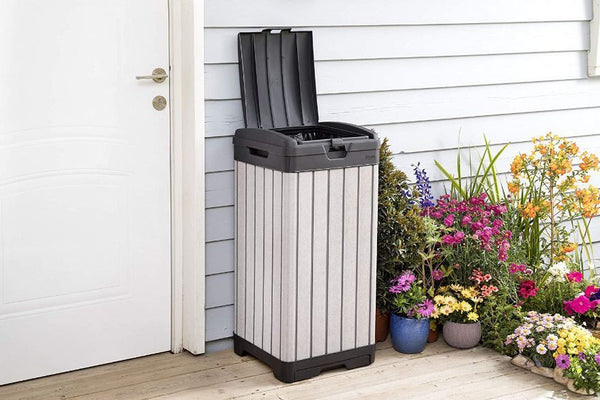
(409, 335)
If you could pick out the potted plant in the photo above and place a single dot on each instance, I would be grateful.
(400, 233)
(409, 322)
(457, 307)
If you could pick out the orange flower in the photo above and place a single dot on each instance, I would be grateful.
(517, 165)
(569, 248)
(514, 187)
(530, 210)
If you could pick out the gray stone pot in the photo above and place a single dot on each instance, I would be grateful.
(462, 336)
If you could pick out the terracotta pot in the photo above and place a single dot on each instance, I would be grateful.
(433, 332)
(462, 336)
(382, 326)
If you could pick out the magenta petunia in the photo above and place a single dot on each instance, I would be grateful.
(528, 289)
(581, 304)
(575, 276)
(590, 290)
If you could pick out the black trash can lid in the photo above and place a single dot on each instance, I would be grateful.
(277, 78)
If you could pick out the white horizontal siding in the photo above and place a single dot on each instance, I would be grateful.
(443, 72)
(372, 42)
(270, 13)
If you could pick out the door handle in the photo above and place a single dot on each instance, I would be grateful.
(159, 75)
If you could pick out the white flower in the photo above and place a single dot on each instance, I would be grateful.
(558, 272)
(541, 349)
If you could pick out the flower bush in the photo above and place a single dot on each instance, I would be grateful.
(548, 190)
(400, 229)
(583, 369)
(409, 299)
(457, 303)
(472, 234)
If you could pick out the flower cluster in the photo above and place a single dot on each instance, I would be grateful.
(584, 304)
(409, 299)
(423, 187)
(548, 189)
(472, 220)
(583, 369)
(515, 268)
(458, 303)
(528, 289)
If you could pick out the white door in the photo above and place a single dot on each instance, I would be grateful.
(84, 185)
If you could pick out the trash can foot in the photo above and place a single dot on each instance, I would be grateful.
(293, 371)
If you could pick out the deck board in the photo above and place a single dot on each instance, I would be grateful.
(439, 372)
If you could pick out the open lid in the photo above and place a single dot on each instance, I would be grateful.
(277, 79)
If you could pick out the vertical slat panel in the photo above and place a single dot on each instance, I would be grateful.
(374, 215)
(250, 197)
(240, 265)
(274, 74)
(268, 257)
(304, 271)
(349, 258)
(291, 85)
(363, 277)
(259, 254)
(259, 46)
(289, 266)
(276, 292)
(334, 274)
(319, 263)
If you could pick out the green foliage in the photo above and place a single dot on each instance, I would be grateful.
(499, 317)
(482, 176)
(405, 303)
(400, 230)
(550, 296)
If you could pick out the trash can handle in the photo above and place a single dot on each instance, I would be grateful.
(258, 152)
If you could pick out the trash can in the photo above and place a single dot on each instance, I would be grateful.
(306, 218)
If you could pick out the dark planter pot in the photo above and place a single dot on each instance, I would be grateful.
(409, 335)
(433, 333)
(382, 326)
(462, 336)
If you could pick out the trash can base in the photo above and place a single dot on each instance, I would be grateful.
(293, 371)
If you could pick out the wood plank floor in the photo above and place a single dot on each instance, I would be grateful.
(440, 372)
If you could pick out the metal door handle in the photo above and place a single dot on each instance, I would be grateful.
(159, 75)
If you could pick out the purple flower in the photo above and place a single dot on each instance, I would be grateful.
(423, 187)
(597, 358)
(466, 220)
(437, 274)
(402, 283)
(581, 356)
(426, 308)
(563, 361)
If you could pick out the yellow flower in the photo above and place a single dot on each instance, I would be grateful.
(472, 316)
(465, 307)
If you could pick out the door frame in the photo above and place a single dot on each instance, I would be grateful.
(186, 55)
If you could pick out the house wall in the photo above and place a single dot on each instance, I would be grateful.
(428, 75)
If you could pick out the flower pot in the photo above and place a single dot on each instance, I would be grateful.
(543, 371)
(382, 325)
(409, 335)
(462, 336)
(433, 332)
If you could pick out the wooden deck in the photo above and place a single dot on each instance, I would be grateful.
(440, 372)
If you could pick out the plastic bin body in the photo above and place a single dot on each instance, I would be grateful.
(306, 219)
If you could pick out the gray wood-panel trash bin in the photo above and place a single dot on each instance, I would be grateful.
(306, 218)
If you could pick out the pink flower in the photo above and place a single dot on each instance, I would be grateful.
(528, 289)
(581, 304)
(597, 358)
(568, 308)
(466, 220)
(513, 268)
(574, 276)
(449, 220)
(590, 290)
(459, 236)
(437, 274)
